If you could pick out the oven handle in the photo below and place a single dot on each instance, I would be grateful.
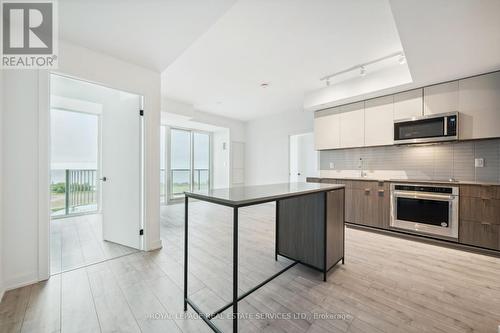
(414, 195)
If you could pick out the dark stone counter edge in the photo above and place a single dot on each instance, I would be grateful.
(261, 200)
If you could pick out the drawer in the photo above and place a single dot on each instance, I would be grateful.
(477, 234)
(375, 187)
(480, 210)
(329, 181)
(364, 184)
(349, 184)
(491, 211)
(480, 191)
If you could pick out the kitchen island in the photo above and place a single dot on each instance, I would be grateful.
(309, 230)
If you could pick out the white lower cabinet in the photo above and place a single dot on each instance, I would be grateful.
(379, 121)
(352, 125)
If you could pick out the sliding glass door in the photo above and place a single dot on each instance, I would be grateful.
(201, 161)
(189, 162)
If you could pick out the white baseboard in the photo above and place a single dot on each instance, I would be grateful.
(155, 245)
(20, 281)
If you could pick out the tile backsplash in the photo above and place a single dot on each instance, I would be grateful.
(433, 162)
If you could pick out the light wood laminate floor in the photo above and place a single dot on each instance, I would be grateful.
(76, 241)
(387, 285)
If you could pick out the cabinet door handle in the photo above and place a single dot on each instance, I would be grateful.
(381, 192)
(367, 190)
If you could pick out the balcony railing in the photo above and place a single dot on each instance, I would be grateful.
(73, 192)
(181, 179)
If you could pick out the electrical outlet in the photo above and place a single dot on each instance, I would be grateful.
(479, 162)
(332, 165)
(360, 163)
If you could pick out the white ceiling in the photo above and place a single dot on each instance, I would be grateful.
(149, 33)
(288, 43)
(448, 39)
(217, 53)
(181, 121)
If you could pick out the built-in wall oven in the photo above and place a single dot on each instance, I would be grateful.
(430, 128)
(428, 209)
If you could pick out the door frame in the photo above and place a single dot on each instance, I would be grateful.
(168, 199)
(44, 159)
(289, 152)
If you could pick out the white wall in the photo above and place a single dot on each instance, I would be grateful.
(220, 149)
(25, 188)
(236, 127)
(1, 185)
(20, 175)
(267, 145)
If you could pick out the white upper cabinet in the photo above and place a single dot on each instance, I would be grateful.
(371, 122)
(327, 129)
(379, 124)
(479, 106)
(441, 98)
(352, 125)
(408, 104)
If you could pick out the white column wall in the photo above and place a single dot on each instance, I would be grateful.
(25, 154)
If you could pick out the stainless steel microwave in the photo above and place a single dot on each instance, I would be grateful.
(432, 128)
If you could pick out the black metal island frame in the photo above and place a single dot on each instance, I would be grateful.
(309, 230)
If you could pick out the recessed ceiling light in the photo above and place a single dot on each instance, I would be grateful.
(362, 71)
(402, 59)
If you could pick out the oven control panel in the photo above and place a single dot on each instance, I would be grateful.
(418, 188)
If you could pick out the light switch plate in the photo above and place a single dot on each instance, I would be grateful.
(332, 165)
(479, 162)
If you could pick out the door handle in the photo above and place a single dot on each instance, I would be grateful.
(103, 179)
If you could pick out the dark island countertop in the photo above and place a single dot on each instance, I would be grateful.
(252, 195)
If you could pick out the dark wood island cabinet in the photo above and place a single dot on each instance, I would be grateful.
(309, 230)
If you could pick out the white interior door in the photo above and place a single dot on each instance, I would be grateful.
(122, 169)
(303, 157)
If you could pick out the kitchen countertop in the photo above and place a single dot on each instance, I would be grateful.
(248, 195)
(420, 181)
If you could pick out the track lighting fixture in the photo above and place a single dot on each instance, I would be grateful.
(397, 56)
